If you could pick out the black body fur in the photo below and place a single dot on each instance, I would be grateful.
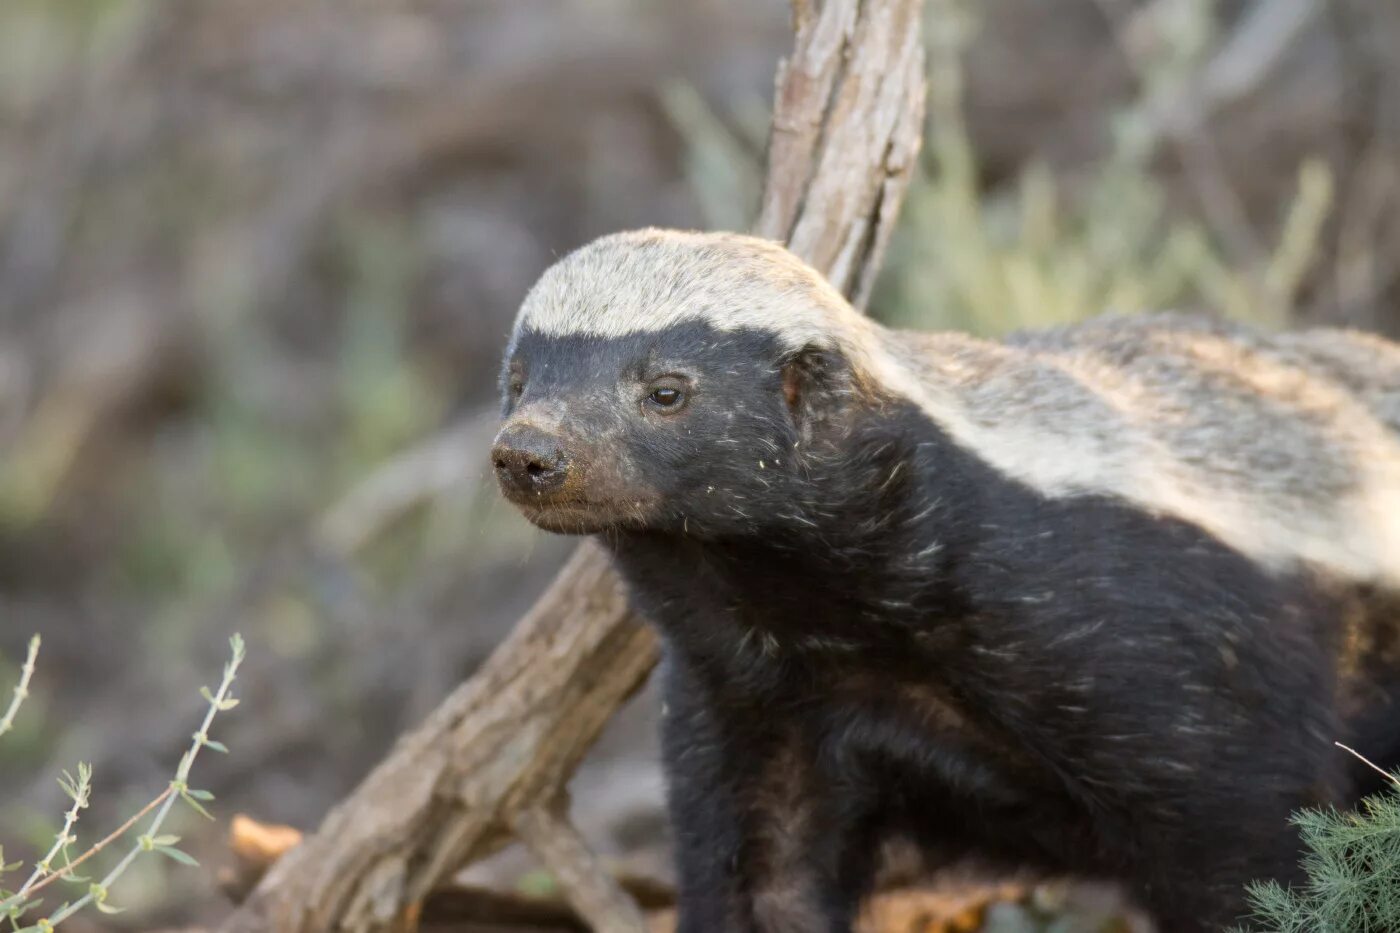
(874, 634)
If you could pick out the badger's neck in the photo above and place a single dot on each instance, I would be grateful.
(858, 564)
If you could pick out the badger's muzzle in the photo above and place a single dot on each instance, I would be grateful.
(530, 462)
(568, 475)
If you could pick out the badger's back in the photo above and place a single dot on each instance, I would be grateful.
(1285, 447)
(1364, 365)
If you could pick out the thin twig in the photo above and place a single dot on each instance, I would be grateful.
(98, 846)
(22, 688)
(1370, 764)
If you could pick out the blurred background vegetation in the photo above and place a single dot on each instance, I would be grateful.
(258, 260)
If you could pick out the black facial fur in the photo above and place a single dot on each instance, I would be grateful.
(726, 458)
(870, 633)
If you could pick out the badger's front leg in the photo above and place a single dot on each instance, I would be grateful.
(765, 841)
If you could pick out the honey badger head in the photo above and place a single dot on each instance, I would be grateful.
(663, 380)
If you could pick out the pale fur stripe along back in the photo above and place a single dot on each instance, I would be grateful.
(1285, 447)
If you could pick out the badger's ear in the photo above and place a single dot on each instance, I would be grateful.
(804, 379)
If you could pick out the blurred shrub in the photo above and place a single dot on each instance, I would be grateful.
(1042, 251)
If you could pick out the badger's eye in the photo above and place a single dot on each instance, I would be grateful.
(666, 397)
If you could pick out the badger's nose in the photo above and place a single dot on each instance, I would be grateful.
(529, 460)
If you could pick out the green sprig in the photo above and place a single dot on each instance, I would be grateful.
(15, 905)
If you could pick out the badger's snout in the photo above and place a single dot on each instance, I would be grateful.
(529, 461)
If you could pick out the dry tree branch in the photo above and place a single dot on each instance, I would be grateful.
(492, 762)
(548, 834)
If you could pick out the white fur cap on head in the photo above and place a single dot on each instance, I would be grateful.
(645, 281)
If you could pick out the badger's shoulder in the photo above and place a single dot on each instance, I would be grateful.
(1286, 447)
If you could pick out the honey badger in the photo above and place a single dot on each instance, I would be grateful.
(1096, 600)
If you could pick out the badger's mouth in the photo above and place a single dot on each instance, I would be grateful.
(574, 518)
(580, 517)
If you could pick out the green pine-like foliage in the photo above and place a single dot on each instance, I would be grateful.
(1353, 869)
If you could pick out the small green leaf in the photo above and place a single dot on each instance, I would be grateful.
(73, 787)
(200, 794)
(228, 704)
(107, 908)
(184, 858)
(165, 840)
(198, 809)
(208, 696)
(217, 746)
